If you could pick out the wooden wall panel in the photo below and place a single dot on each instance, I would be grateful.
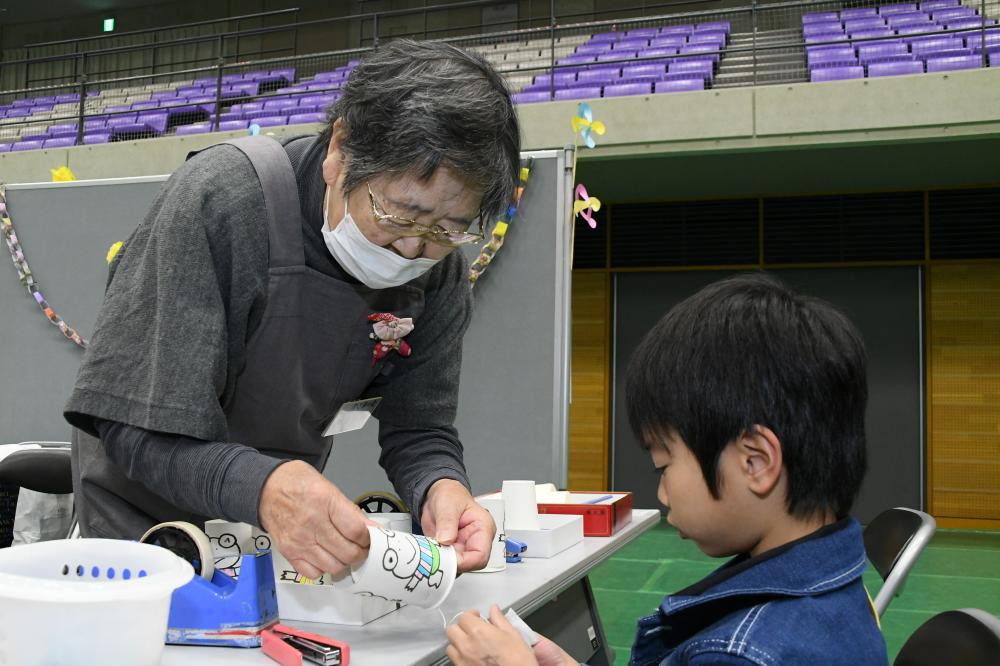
(964, 385)
(588, 414)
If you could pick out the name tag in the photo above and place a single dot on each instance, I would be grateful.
(351, 416)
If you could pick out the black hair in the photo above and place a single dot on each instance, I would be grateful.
(410, 107)
(748, 351)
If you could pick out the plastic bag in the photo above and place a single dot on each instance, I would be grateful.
(41, 517)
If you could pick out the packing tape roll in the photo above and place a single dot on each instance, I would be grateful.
(187, 541)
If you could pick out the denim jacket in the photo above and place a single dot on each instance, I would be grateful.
(801, 603)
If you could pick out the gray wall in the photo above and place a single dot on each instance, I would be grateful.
(514, 396)
(884, 303)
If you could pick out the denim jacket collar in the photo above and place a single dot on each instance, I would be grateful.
(819, 562)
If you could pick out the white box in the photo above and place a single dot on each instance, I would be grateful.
(555, 534)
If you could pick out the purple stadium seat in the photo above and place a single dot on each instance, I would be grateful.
(616, 56)
(23, 102)
(708, 37)
(822, 28)
(66, 98)
(34, 137)
(318, 100)
(708, 50)
(60, 142)
(581, 92)
(860, 12)
(205, 81)
(873, 33)
(288, 73)
(622, 89)
(599, 75)
(881, 52)
(279, 104)
(26, 145)
(975, 41)
(142, 106)
(675, 41)
(837, 73)
(680, 85)
(261, 113)
(864, 24)
(694, 67)
(908, 17)
(188, 91)
(659, 52)
(231, 78)
(931, 5)
(5, 147)
(563, 79)
(605, 37)
(955, 62)
(723, 26)
(327, 99)
(62, 129)
(952, 13)
(929, 45)
(304, 118)
(647, 72)
(19, 112)
(895, 68)
(193, 128)
(994, 59)
(903, 8)
(271, 121)
(163, 94)
(642, 33)
(233, 125)
(250, 106)
(530, 97)
(120, 119)
(154, 120)
(833, 56)
(630, 45)
(971, 23)
(94, 124)
(229, 115)
(826, 37)
(817, 17)
(576, 60)
(677, 30)
(593, 49)
(117, 108)
(247, 88)
(917, 31)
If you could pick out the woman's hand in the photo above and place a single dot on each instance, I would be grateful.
(453, 517)
(311, 522)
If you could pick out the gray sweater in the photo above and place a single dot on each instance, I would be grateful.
(171, 340)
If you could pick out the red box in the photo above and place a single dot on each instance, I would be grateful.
(600, 520)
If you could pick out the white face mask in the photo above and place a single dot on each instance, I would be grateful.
(374, 266)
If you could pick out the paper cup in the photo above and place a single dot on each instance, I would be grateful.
(407, 568)
(397, 522)
(520, 507)
(498, 559)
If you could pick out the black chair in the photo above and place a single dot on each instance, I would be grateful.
(893, 541)
(45, 470)
(966, 637)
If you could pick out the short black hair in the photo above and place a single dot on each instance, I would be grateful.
(748, 351)
(411, 107)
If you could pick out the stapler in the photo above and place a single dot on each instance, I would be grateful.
(291, 647)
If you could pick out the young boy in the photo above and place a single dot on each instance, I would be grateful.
(751, 401)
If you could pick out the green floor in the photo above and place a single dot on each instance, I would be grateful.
(959, 569)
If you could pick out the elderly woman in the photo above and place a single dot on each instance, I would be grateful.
(270, 284)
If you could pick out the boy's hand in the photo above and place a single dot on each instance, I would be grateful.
(548, 653)
(494, 643)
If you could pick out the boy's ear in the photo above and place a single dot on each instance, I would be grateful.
(761, 459)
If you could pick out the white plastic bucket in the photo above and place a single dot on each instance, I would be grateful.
(86, 601)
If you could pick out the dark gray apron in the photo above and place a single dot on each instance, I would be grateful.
(309, 354)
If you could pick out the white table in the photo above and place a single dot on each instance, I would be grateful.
(416, 636)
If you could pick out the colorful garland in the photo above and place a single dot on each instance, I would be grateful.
(27, 279)
(499, 234)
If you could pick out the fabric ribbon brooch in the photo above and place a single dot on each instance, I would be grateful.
(388, 331)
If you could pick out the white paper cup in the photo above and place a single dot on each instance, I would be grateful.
(498, 559)
(407, 568)
(520, 507)
(397, 522)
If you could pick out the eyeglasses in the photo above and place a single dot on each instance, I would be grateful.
(403, 226)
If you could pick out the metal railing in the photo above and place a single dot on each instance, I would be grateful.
(765, 44)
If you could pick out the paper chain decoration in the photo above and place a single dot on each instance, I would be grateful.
(28, 279)
(585, 205)
(585, 124)
(496, 241)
